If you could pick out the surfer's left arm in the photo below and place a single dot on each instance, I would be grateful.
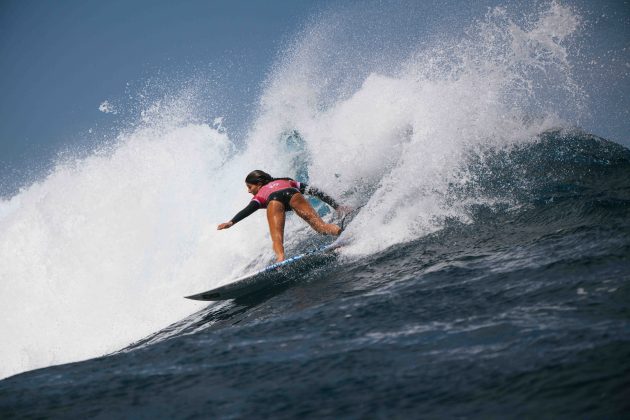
(251, 208)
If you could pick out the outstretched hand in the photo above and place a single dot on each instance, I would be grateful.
(225, 225)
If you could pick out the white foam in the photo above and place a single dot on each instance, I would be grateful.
(101, 252)
(400, 139)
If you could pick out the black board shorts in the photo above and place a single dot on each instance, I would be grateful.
(283, 196)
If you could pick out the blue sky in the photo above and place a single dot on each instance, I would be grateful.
(61, 59)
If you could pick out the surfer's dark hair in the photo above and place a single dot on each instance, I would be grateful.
(258, 177)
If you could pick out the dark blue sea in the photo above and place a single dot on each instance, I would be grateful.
(521, 312)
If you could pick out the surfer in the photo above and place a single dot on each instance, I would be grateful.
(279, 195)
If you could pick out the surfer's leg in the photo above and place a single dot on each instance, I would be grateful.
(303, 208)
(276, 217)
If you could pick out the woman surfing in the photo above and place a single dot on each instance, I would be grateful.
(279, 195)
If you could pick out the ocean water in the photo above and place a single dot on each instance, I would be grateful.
(487, 274)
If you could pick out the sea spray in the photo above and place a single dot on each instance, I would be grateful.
(402, 138)
(101, 252)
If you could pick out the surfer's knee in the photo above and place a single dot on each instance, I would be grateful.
(326, 228)
(303, 208)
(316, 223)
(332, 229)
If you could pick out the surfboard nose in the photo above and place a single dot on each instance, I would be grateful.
(205, 296)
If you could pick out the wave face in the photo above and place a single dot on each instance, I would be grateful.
(490, 243)
(521, 308)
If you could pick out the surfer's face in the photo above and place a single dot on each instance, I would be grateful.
(253, 188)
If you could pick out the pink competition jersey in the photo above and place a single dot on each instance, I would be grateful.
(266, 190)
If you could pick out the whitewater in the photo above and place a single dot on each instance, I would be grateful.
(98, 254)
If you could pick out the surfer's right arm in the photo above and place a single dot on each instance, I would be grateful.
(316, 192)
(251, 207)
